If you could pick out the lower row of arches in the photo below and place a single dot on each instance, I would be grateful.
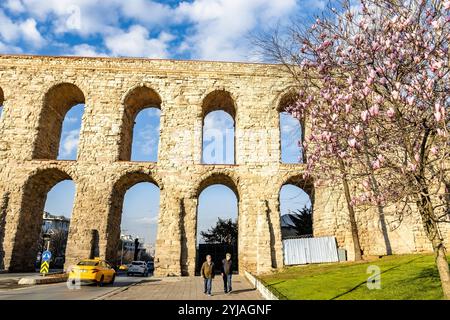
(49, 198)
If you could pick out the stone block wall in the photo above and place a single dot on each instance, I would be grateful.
(37, 91)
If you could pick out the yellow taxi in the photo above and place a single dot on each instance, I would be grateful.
(93, 271)
(123, 267)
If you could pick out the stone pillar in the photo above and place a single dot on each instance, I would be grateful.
(90, 214)
(189, 236)
(263, 245)
(168, 242)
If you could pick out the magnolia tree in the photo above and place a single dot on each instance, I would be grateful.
(373, 82)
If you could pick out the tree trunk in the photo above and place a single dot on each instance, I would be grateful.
(351, 214)
(432, 230)
(442, 265)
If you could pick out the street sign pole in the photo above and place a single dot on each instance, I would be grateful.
(46, 256)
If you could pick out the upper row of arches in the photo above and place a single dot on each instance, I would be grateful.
(61, 118)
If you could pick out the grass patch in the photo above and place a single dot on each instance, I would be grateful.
(403, 277)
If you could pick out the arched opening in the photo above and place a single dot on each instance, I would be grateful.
(218, 136)
(217, 222)
(2, 98)
(50, 142)
(70, 133)
(140, 125)
(146, 135)
(291, 132)
(296, 209)
(133, 220)
(47, 202)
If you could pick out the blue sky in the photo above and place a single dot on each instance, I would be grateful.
(196, 29)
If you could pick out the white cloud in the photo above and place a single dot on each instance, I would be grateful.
(12, 32)
(148, 140)
(71, 119)
(137, 42)
(9, 31)
(147, 12)
(15, 6)
(31, 34)
(70, 142)
(147, 220)
(220, 27)
(6, 48)
(86, 50)
(208, 29)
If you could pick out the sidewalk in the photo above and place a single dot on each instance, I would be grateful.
(187, 288)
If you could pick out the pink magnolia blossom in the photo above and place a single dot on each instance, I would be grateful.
(366, 184)
(417, 157)
(395, 94)
(374, 110)
(357, 130)
(376, 164)
(390, 113)
(434, 150)
(365, 115)
(438, 116)
(352, 142)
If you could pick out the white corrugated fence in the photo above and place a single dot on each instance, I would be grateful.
(310, 250)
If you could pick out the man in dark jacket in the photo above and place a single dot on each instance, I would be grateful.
(207, 273)
(227, 271)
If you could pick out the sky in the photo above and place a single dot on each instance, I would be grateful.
(221, 30)
(196, 29)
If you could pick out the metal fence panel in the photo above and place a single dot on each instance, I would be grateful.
(310, 250)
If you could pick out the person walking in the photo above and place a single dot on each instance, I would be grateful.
(207, 272)
(227, 272)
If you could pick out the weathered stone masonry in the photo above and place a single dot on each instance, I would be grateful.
(36, 93)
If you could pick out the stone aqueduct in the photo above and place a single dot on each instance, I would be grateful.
(36, 92)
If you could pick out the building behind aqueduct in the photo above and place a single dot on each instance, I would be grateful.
(36, 92)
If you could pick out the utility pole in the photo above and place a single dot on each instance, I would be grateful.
(121, 240)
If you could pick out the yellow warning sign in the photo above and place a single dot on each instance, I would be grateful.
(44, 267)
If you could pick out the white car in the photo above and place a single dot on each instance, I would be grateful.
(138, 267)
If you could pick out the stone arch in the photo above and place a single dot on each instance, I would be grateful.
(284, 99)
(217, 178)
(219, 100)
(135, 100)
(225, 178)
(59, 99)
(115, 204)
(34, 195)
(300, 181)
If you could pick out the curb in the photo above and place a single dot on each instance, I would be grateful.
(262, 289)
(43, 280)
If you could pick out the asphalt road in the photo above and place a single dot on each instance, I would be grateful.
(60, 291)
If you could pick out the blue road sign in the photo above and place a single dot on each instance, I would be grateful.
(46, 255)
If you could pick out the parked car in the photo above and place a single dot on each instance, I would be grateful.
(137, 267)
(93, 271)
(150, 266)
